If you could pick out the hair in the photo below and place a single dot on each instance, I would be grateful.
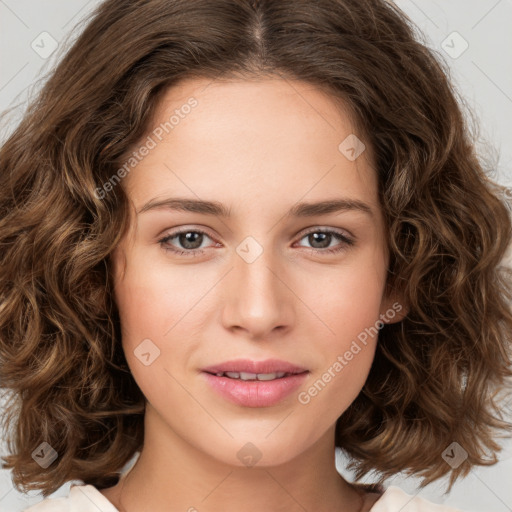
(436, 375)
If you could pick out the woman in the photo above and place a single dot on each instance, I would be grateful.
(236, 236)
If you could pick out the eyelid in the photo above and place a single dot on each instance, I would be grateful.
(173, 232)
(301, 234)
(346, 240)
(339, 231)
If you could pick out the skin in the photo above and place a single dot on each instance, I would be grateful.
(257, 146)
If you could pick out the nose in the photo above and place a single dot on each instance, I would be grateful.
(257, 298)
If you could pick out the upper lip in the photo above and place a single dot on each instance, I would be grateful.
(251, 366)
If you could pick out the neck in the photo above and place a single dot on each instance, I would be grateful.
(191, 480)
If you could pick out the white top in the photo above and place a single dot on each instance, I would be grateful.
(86, 498)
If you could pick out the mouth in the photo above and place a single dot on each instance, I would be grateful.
(246, 376)
(255, 390)
(249, 369)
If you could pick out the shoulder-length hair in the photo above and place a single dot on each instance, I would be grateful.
(436, 374)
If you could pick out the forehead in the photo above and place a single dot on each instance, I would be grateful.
(258, 108)
(252, 138)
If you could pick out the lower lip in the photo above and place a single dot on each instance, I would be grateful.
(255, 393)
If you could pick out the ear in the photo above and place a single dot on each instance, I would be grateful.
(393, 307)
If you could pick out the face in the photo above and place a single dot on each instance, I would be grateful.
(271, 280)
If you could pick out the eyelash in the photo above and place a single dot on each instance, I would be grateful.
(347, 242)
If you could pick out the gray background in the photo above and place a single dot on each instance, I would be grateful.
(480, 58)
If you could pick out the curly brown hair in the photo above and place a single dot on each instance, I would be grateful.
(436, 376)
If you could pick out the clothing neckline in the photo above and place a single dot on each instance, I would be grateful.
(107, 506)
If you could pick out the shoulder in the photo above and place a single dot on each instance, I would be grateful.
(81, 498)
(394, 499)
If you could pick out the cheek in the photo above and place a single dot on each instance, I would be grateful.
(348, 303)
(158, 306)
(348, 300)
(147, 310)
(329, 394)
(153, 299)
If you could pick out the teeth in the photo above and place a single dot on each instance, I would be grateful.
(252, 376)
(246, 376)
(270, 376)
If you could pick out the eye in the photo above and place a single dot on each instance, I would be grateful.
(320, 239)
(191, 241)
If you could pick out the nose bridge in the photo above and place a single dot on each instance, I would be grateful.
(255, 272)
(257, 298)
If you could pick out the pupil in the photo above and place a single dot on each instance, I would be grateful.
(186, 240)
(313, 239)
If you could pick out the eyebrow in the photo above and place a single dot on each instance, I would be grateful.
(218, 209)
